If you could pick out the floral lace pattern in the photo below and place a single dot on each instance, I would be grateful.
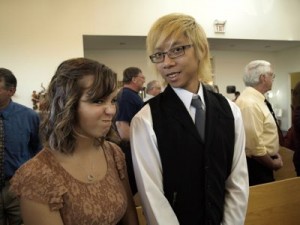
(43, 179)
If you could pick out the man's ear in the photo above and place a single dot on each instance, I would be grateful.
(262, 78)
(12, 91)
(134, 79)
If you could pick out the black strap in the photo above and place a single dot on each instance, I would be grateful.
(280, 135)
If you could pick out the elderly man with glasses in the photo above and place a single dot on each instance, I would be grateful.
(262, 130)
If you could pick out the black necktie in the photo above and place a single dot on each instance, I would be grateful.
(199, 117)
(280, 135)
(1, 152)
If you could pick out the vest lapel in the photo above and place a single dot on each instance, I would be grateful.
(211, 117)
(176, 109)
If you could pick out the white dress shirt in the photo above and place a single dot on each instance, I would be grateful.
(147, 97)
(149, 174)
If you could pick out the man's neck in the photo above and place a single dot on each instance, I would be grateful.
(261, 89)
(132, 87)
(3, 105)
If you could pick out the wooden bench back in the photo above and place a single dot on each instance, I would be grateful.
(275, 203)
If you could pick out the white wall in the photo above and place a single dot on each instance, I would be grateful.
(229, 68)
(287, 62)
(36, 35)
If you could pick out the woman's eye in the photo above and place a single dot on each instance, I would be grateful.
(114, 101)
(98, 101)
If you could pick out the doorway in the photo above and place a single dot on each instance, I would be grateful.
(294, 79)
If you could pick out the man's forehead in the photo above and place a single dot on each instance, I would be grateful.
(170, 42)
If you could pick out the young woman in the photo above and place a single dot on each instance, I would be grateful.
(80, 176)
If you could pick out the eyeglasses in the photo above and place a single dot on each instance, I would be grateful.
(142, 77)
(172, 54)
(272, 75)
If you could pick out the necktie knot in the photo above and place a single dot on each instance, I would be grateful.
(197, 103)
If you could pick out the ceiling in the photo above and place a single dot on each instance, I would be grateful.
(93, 42)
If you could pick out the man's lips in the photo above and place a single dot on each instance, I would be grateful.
(173, 74)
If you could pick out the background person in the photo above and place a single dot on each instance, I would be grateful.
(20, 142)
(129, 103)
(153, 88)
(184, 176)
(262, 140)
(79, 177)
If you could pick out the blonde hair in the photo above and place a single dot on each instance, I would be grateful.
(175, 25)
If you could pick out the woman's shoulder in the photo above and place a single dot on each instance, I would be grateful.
(113, 147)
(38, 163)
(38, 179)
(118, 157)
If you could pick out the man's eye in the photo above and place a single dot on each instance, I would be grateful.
(176, 50)
(158, 55)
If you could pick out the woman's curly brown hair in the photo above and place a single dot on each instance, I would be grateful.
(61, 102)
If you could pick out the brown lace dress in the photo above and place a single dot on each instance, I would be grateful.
(44, 180)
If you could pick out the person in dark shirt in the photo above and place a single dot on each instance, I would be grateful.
(21, 142)
(129, 103)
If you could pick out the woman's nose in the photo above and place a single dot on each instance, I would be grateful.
(110, 109)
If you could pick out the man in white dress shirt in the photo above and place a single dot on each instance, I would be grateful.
(182, 177)
(153, 88)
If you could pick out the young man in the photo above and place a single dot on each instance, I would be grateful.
(262, 139)
(183, 176)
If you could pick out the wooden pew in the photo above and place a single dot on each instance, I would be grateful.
(275, 203)
(141, 217)
(139, 209)
(288, 169)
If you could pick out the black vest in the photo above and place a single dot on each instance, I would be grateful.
(194, 173)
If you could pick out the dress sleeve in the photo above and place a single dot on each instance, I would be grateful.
(35, 181)
(119, 159)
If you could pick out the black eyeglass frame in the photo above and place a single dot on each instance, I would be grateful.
(181, 48)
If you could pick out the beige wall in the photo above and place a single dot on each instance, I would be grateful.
(36, 35)
(229, 67)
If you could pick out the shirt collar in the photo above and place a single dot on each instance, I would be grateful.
(255, 93)
(186, 96)
(6, 111)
